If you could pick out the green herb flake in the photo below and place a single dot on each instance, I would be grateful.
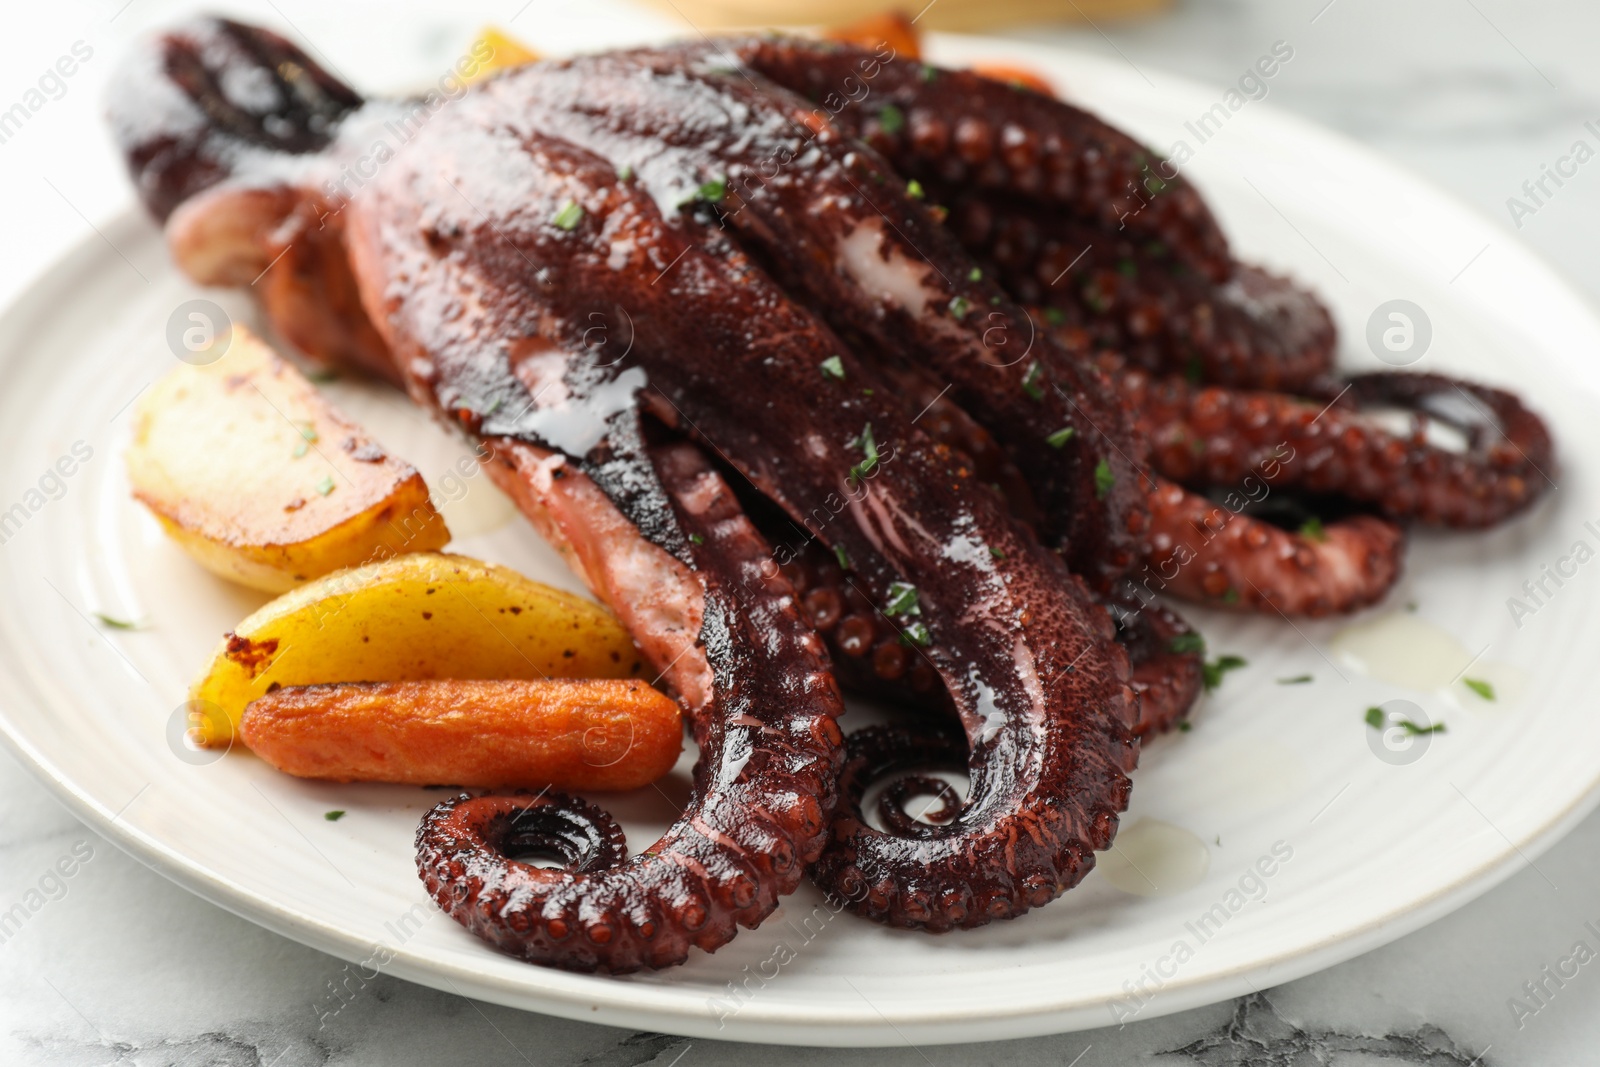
(975, 274)
(844, 560)
(1030, 381)
(1183, 644)
(902, 600)
(1299, 679)
(959, 307)
(1482, 688)
(1184, 726)
(1060, 437)
(833, 367)
(866, 392)
(1194, 370)
(712, 192)
(333, 816)
(1127, 268)
(1055, 316)
(568, 217)
(1375, 719)
(869, 452)
(325, 486)
(916, 634)
(1212, 671)
(1312, 530)
(891, 120)
(914, 189)
(307, 430)
(1103, 479)
(625, 172)
(1231, 596)
(322, 377)
(300, 449)
(111, 622)
(996, 553)
(696, 539)
(929, 72)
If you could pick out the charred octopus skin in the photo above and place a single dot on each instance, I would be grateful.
(481, 255)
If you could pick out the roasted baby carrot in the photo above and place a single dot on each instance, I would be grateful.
(571, 734)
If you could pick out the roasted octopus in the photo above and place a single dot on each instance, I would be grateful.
(765, 336)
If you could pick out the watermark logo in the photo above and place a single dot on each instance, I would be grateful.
(199, 331)
(188, 727)
(1399, 732)
(1399, 332)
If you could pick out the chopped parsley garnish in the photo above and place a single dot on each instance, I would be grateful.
(712, 192)
(869, 452)
(1060, 437)
(1231, 596)
(958, 307)
(914, 189)
(996, 553)
(300, 449)
(916, 634)
(866, 392)
(696, 539)
(1482, 688)
(307, 430)
(1299, 679)
(1186, 643)
(1103, 479)
(568, 217)
(322, 377)
(111, 622)
(1376, 717)
(325, 486)
(891, 120)
(333, 816)
(1055, 316)
(844, 560)
(625, 172)
(1212, 671)
(833, 367)
(1030, 381)
(1127, 269)
(975, 274)
(1312, 530)
(929, 72)
(1194, 370)
(1184, 726)
(902, 600)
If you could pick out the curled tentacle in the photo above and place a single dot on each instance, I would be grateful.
(768, 750)
(1225, 557)
(1215, 436)
(961, 128)
(213, 97)
(1252, 329)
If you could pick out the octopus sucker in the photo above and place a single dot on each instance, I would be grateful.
(837, 448)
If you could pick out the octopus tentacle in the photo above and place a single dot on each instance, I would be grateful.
(768, 748)
(959, 127)
(1217, 436)
(1200, 551)
(1165, 657)
(1251, 329)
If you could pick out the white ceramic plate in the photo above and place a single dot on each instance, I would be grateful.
(1379, 847)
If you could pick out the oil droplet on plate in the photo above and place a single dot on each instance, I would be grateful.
(1152, 858)
(1403, 650)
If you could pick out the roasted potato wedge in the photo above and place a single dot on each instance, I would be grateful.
(263, 481)
(561, 733)
(411, 618)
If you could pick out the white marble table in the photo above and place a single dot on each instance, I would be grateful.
(125, 967)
